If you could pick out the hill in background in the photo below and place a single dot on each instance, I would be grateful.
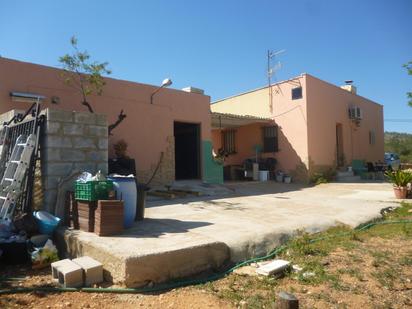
(400, 143)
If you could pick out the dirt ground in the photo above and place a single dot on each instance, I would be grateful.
(368, 269)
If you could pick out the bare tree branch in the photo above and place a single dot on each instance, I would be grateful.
(120, 118)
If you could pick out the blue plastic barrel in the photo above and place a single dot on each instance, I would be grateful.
(126, 190)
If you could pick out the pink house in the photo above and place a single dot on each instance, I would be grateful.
(169, 132)
(306, 124)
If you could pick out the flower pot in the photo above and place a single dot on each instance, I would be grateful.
(400, 192)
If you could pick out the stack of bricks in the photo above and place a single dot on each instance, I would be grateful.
(86, 214)
(73, 141)
(83, 271)
(109, 217)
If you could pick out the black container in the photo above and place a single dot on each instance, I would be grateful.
(141, 201)
(14, 253)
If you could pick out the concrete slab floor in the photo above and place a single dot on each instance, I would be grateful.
(185, 236)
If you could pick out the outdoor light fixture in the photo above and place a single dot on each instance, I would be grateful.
(26, 97)
(166, 83)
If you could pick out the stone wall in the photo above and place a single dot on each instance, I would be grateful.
(73, 142)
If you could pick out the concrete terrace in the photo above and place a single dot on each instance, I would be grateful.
(183, 237)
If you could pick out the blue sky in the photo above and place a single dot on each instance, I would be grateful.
(221, 45)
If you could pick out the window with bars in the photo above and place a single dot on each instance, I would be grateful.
(270, 139)
(229, 141)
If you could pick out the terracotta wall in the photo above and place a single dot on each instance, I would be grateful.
(246, 138)
(327, 106)
(148, 128)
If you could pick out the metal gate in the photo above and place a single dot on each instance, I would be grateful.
(28, 123)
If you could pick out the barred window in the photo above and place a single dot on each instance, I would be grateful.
(270, 139)
(229, 145)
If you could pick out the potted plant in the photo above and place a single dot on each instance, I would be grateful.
(400, 180)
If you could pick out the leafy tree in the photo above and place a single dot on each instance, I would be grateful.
(408, 67)
(86, 76)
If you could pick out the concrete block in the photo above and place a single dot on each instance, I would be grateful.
(53, 127)
(57, 141)
(56, 265)
(272, 268)
(49, 199)
(101, 120)
(92, 270)
(70, 275)
(72, 155)
(98, 155)
(103, 143)
(97, 131)
(84, 143)
(86, 118)
(73, 129)
(52, 154)
(58, 168)
(86, 167)
(50, 182)
(59, 115)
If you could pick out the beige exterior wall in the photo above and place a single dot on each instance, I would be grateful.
(289, 115)
(148, 128)
(307, 126)
(327, 106)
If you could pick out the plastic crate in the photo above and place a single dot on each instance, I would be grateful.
(93, 190)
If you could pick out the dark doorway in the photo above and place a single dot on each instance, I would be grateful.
(187, 150)
(340, 159)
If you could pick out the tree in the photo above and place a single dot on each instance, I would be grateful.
(86, 77)
(408, 67)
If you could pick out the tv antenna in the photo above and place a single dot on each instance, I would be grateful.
(272, 66)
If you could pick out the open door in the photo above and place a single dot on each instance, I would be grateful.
(187, 150)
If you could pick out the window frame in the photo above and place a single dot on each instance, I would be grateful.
(266, 135)
(229, 138)
(293, 93)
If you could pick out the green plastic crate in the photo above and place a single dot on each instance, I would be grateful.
(93, 190)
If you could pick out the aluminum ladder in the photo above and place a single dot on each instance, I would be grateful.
(12, 182)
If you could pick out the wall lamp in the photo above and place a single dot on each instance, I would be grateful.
(166, 83)
(26, 97)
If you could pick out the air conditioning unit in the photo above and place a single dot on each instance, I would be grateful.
(355, 113)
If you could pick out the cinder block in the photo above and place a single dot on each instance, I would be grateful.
(86, 118)
(100, 155)
(72, 155)
(97, 131)
(56, 141)
(73, 129)
(70, 275)
(59, 115)
(84, 143)
(52, 127)
(92, 269)
(56, 265)
(101, 120)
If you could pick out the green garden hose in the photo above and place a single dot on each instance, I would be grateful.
(183, 283)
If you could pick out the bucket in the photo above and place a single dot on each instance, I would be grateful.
(46, 222)
(126, 190)
(263, 175)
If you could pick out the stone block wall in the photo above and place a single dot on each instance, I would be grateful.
(73, 141)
